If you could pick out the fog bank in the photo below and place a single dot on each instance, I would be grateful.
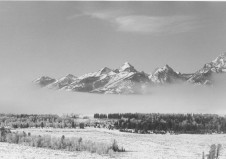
(25, 97)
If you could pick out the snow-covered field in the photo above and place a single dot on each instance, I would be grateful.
(138, 146)
(14, 151)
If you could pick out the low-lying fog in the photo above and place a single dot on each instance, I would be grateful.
(179, 98)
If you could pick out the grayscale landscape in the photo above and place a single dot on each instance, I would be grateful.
(112, 79)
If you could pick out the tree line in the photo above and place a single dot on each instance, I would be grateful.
(39, 120)
(139, 122)
(179, 123)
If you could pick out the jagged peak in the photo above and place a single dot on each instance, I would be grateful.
(127, 64)
(220, 57)
(104, 70)
(127, 67)
(217, 64)
(165, 68)
(70, 76)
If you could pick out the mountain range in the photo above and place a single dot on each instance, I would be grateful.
(127, 80)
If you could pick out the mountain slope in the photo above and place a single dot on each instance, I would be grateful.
(64, 81)
(205, 75)
(90, 81)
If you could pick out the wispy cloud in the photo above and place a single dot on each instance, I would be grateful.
(155, 25)
(146, 23)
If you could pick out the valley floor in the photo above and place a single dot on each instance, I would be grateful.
(138, 146)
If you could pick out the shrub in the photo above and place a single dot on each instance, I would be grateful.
(82, 125)
(38, 141)
(12, 138)
(3, 133)
(116, 148)
(70, 144)
(46, 141)
(55, 143)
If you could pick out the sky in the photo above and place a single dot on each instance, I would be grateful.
(58, 38)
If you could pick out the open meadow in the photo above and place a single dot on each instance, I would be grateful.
(145, 146)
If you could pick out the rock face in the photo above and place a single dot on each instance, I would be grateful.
(127, 80)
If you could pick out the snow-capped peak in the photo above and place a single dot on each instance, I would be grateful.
(165, 68)
(220, 60)
(165, 75)
(217, 65)
(204, 75)
(127, 67)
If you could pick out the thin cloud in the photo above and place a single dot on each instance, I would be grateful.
(155, 25)
(146, 24)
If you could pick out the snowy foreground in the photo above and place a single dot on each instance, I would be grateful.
(138, 146)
